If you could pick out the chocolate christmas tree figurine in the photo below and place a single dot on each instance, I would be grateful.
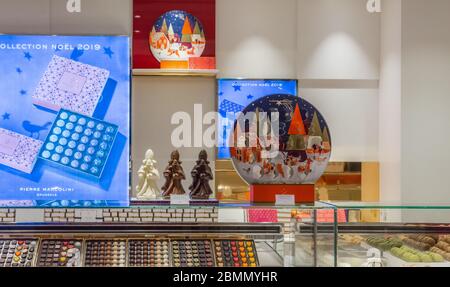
(174, 174)
(201, 175)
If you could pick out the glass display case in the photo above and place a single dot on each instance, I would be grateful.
(236, 235)
(324, 234)
(393, 235)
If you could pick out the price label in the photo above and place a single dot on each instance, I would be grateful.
(179, 199)
(284, 199)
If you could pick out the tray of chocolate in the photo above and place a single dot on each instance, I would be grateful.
(105, 253)
(60, 253)
(235, 253)
(79, 144)
(17, 252)
(192, 253)
(148, 253)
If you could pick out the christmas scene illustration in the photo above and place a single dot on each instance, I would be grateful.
(177, 35)
(235, 94)
(304, 144)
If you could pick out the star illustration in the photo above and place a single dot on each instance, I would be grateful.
(237, 88)
(249, 97)
(76, 54)
(23, 92)
(6, 116)
(19, 70)
(27, 55)
(108, 51)
(221, 94)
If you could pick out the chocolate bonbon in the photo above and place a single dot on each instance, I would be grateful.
(235, 253)
(105, 253)
(17, 252)
(192, 253)
(148, 253)
(60, 253)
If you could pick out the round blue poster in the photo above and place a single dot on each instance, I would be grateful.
(280, 139)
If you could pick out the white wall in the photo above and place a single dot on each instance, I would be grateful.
(338, 68)
(352, 115)
(390, 95)
(337, 40)
(24, 17)
(98, 17)
(425, 101)
(155, 100)
(257, 38)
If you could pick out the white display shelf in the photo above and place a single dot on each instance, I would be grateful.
(175, 72)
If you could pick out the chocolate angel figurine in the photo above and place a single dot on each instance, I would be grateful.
(148, 175)
(174, 174)
(201, 175)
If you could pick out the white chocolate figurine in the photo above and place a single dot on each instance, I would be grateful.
(148, 175)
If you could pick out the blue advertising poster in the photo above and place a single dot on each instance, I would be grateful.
(64, 121)
(235, 94)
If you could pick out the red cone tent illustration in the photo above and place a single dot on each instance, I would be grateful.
(186, 32)
(296, 132)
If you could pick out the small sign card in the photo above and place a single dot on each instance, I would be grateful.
(284, 199)
(179, 199)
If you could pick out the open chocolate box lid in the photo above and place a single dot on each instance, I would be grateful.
(71, 85)
(18, 151)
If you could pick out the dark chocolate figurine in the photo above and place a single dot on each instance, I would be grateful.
(174, 174)
(201, 175)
